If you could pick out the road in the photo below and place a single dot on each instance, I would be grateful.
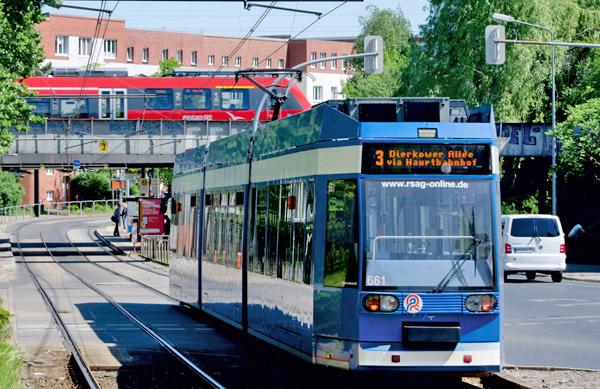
(549, 324)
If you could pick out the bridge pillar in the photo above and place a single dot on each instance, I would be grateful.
(36, 191)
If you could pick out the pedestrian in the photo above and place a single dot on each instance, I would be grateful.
(116, 217)
(124, 215)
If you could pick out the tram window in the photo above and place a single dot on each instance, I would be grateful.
(341, 265)
(234, 99)
(309, 214)
(272, 221)
(196, 98)
(260, 230)
(42, 107)
(163, 98)
(284, 246)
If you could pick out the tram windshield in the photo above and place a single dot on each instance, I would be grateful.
(428, 234)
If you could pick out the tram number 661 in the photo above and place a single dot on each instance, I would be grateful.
(376, 280)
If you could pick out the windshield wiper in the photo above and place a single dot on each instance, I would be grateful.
(456, 266)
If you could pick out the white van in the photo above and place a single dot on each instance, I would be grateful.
(533, 244)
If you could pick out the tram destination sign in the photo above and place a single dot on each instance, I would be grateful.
(394, 158)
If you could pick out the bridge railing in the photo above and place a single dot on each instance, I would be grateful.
(155, 248)
(57, 208)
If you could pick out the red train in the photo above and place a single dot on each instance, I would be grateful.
(218, 98)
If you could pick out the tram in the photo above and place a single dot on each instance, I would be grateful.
(361, 234)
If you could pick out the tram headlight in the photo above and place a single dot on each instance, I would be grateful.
(388, 303)
(480, 303)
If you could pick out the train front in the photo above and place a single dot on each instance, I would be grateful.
(428, 293)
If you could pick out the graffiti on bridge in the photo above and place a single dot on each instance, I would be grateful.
(524, 139)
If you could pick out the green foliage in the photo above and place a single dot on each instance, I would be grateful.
(395, 29)
(579, 139)
(166, 175)
(10, 357)
(91, 185)
(167, 66)
(11, 190)
(20, 55)
(134, 189)
(523, 205)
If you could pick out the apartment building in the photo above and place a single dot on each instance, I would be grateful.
(68, 41)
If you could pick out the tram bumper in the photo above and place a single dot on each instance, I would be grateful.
(462, 357)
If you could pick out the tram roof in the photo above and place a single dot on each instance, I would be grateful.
(382, 118)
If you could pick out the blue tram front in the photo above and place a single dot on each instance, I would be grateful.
(361, 234)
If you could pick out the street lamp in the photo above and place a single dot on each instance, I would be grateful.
(501, 18)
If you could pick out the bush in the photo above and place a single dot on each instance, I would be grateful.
(11, 190)
(91, 185)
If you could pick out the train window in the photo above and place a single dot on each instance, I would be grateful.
(272, 221)
(308, 231)
(234, 99)
(73, 108)
(163, 98)
(260, 230)
(42, 107)
(284, 246)
(341, 244)
(196, 98)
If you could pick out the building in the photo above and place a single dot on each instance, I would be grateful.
(69, 42)
(54, 186)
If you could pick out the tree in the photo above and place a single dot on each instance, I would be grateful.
(393, 26)
(91, 185)
(20, 55)
(579, 139)
(167, 66)
(11, 190)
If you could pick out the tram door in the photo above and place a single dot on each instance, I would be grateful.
(112, 104)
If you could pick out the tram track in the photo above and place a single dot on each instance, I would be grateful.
(81, 363)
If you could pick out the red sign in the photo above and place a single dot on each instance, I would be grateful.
(151, 220)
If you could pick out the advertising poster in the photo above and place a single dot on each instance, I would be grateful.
(151, 220)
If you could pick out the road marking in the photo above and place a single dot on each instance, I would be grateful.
(529, 324)
(553, 300)
(575, 304)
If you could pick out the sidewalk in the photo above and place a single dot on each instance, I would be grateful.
(582, 272)
(122, 242)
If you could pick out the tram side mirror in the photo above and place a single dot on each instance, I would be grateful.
(373, 64)
(173, 206)
(208, 200)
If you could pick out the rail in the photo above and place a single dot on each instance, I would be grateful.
(155, 248)
(57, 208)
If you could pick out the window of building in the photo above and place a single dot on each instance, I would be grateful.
(180, 56)
(85, 46)
(194, 58)
(238, 62)
(130, 54)
(196, 98)
(334, 61)
(49, 195)
(255, 62)
(341, 238)
(224, 60)
(49, 172)
(317, 93)
(322, 64)
(211, 60)
(162, 98)
(110, 48)
(334, 92)
(268, 63)
(61, 45)
(145, 54)
(280, 63)
(165, 54)
(313, 57)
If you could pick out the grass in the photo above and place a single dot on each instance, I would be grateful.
(10, 357)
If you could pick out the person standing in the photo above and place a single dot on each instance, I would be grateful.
(116, 218)
(124, 216)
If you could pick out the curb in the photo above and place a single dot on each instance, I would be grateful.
(114, 248)
(549, 368)
(566, 277)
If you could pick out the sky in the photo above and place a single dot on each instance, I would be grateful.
(229, 18)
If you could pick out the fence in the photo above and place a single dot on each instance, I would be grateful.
(155, 248)
(63, 208)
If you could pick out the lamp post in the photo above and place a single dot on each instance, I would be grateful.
(498, 17)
